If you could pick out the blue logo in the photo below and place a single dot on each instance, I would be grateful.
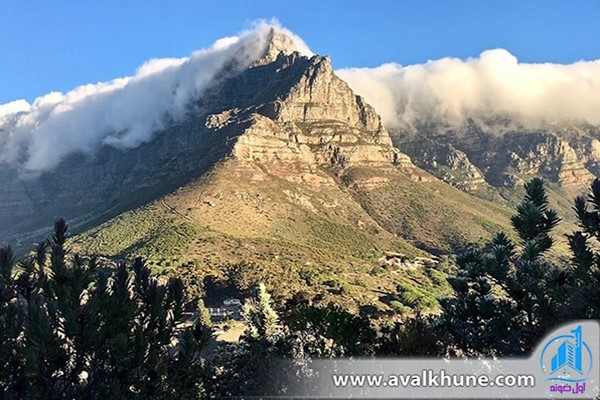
(567, 358)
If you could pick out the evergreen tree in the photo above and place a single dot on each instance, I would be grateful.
(260, 316)
(507, 295)
(203, 327)
(71, 327)
(265, 361)
(586, 274)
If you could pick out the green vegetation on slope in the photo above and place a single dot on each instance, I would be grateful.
(140, 233)
(322, 231)
(433, 216)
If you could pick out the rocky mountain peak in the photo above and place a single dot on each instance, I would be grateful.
(277, 43)
(293, 88)
(319, 94)
(311, 91)
(295, 113)
(288, 111)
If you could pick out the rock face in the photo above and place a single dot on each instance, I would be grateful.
(446, 162)
(301, 111)
(567, 155)
(285, 108)
(319, 94)
(294, 88)
(552, 155)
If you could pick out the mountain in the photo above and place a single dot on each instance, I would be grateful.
(494, 162)
(279, 172)
(567, 154)
(308, 180)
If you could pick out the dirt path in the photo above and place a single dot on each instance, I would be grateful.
(232, 335)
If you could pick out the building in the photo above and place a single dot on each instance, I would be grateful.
(232, 302)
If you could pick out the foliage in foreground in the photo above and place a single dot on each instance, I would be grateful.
(508, 295)
(73, 328)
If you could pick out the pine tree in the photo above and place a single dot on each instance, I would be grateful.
(260, 316)
(73, 327)
(203, 326)
(587, 261)
(507, 295)
(255, 366)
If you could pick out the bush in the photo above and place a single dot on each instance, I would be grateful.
(507, 295)
(413, 336)
(336, 286)
(399, 308)
(415, 298)
(332, 331)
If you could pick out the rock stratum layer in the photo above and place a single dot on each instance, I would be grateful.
(567, 155)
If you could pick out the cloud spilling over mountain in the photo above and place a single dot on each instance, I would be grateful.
(125, 112)
(494, 86)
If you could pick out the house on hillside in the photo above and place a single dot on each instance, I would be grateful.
(230, 309)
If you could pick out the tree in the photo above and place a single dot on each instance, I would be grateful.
(265, 361)
(507, 295)
(73, 327)
(260, 316)
(586, 273)
(331, 331)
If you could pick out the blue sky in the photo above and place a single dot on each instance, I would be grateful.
(57, 45)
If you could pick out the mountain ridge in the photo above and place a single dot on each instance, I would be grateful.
(314, 134)
(280, 173)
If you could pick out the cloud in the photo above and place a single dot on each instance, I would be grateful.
(125, 112)
(10, 110)
(494, 85)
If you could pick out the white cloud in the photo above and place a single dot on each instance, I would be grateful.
(125, 112)
(157, 65)
(12, 108)
(495, 84)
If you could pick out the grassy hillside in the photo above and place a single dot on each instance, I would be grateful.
(433, 215)
(328, 235)
(246, 222)
(333, 230)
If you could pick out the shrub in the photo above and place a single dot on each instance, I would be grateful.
(399, 308)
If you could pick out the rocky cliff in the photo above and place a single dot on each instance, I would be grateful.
(300, 110)
(566, 154)
(285, 107)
